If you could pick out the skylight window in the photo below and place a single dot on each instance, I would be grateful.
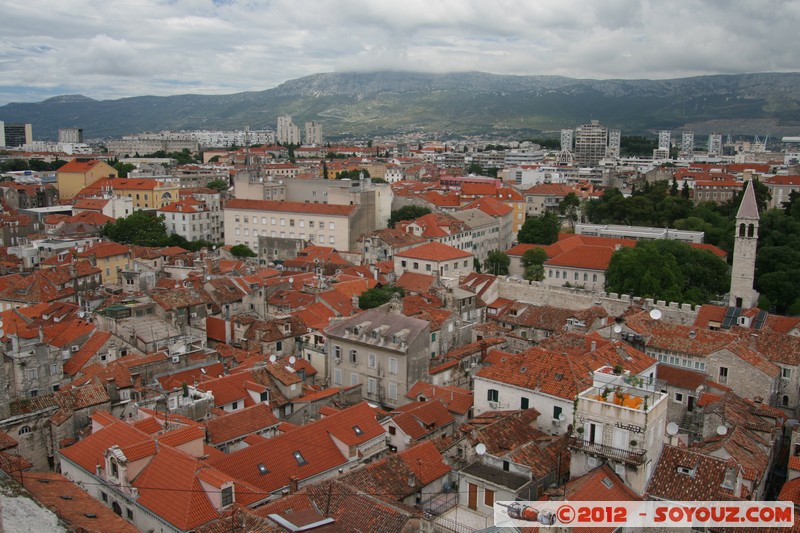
(358, 430)
(262, 469)
(299, 458)
(607, 482)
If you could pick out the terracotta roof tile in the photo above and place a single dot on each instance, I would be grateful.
(418, 419)
(72, 504)
(703, 482)
(239, 424)
(434, 251)
(317, 450)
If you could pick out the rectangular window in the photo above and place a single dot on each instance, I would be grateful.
(354, 379)
(354, 356)
(371, 360)
(264, 220)
(331, 226)
(556, 412)
(493, 395)
(33, 373)
(678, 397)
(393, 391)
(488, 497)
(392, 365)
(54, 369)
(786, 373)
(337, 376)
(372, 386)
(524, 403)
(283, 222)
(227, 496)
(723, 375)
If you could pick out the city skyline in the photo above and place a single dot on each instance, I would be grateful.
(223, 47)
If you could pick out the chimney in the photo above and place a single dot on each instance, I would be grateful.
(293, 484)
(594, 345)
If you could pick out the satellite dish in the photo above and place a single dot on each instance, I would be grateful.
(561, 417)
(272, 358)
(291, 280)
(617, 329)
(292, 360)
(480, 449)
(672, 428)
(655, 314)
(722, 430)
(81, 314)
(2, 333)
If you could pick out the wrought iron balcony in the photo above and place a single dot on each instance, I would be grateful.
(617, 454)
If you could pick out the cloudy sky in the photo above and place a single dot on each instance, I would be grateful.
(111, 49)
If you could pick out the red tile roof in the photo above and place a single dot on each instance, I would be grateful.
(78, 166)
(561, 374)
(87, 351)
(703, 483)
(317, 450)
(490, 206)
(457, 400)
(239, 424)
(418, 419)
(72, 504)
(105, 249)
(434, 251)
(585, 257)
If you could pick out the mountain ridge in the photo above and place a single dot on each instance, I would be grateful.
(376, 103)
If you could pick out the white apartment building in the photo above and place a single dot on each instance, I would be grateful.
(432, 258)
(194, 219)
(321, 224)
(313, 133)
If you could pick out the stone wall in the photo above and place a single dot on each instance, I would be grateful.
(538, 293)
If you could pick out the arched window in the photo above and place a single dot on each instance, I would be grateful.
(751, 229)
(741, 230)
(785, 401)
(24, 430)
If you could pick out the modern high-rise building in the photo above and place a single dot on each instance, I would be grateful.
(614, 143)
(313, 133)
(288, 132)
(664, 140)
(715, 144)
(687, 142)
(566, 140)
(591, 141)
(17, 134)
(70, 135)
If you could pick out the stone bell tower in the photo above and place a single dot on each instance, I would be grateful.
(744, 251)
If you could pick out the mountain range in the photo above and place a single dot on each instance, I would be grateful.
(472, 103)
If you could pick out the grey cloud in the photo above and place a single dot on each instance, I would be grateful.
(109, 49)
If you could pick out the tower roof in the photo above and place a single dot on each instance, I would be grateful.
(748, 209)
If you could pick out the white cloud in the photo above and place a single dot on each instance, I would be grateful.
(112, 49)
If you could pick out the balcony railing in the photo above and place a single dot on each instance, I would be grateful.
(617, 454)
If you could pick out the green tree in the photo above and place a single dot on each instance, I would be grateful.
(219, 185)
(497, 263)
(378, 296)
(667, 270)
(533, 263)
(569, 207)
(138, 228)
(241, 251)
(407, 212)
(123, 169)
(540, 230)
(352, 174)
